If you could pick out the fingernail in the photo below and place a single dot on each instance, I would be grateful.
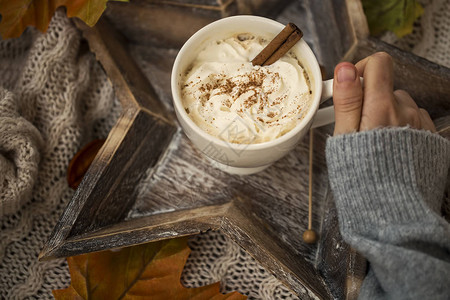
(346, 73)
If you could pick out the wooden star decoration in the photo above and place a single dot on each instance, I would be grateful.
(149, 183)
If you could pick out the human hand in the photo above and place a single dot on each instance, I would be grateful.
(378, 105)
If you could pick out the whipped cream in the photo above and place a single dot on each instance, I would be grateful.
(228, 97)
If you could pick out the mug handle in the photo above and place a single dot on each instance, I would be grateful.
(325, 115)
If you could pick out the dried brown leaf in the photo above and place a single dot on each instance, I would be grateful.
(148, 271)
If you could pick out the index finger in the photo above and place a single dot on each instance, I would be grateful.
(378, 73)
(378, 100)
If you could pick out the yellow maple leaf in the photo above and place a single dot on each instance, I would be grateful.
(18, 14)
(148, 271)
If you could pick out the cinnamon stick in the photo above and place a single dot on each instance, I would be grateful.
(285, 47)
(279, 45)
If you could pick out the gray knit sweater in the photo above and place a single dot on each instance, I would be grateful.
(388, 186)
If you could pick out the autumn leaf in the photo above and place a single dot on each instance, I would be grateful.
(148, 271)
(81, 161)
(18, 14)
(397, 16)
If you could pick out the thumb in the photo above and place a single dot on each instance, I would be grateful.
(347, 98)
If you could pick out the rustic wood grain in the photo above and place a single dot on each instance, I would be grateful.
(167, 24)
(266, 8)
(140, 230)
(443, 126)
(247, 228)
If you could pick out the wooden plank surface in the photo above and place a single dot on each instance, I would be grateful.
(163, 24)
(169, 23)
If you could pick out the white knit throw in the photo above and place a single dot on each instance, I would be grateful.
(54, 98)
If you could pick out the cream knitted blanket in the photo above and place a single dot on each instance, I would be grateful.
(54, 98)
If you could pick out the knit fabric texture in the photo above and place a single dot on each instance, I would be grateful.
(54, 98)
(389, 186)
(21, 142)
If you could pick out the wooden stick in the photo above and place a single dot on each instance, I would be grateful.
(276, 43)
(311, 143)
(310, 236)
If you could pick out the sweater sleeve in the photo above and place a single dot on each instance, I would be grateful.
(388, 185)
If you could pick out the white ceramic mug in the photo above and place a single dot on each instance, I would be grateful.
(248, 158)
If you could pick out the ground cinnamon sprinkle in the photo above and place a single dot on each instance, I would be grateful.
(249, 102)
(237, 86)
(227, 103)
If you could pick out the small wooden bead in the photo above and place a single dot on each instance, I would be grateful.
(310, 236)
